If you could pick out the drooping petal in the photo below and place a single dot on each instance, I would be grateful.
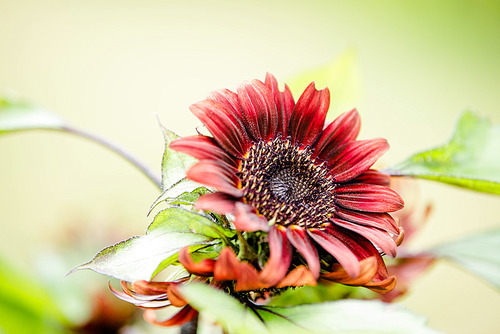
(227, 128)
(215, 175)
(248, 278)
(280, 256)
(186, 314)
(203, 268)
(299, 239)
(338, 274)
(368, 198)
(308, 115)
(226, 267)
(383, 285)
(338, 249)
(219, 203)
(378, 237)
(355, 157)
(202, 148)
(372, 176)
(299, 276)
(259, 109)
(382, 221)
(343, 129)
(284, 103)
(246, 219)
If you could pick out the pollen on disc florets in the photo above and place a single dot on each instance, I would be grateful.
(287, 183)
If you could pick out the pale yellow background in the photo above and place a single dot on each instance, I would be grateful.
(110, 66)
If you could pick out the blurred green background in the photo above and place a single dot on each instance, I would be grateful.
(110, 66)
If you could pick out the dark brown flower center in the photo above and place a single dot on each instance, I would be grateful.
(286, 183)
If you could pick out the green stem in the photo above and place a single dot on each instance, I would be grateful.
(118, 150)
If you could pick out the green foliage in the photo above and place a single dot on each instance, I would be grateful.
(341, 76)
(478, 254)
(346, 316)
(25, 306)
(16, 115)
(471, 159)
(142, 257)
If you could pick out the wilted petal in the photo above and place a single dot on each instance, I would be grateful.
(368, 269)
(308, 115)
(226, 267)
(343, 129)
(355, 157)
(299, 239)
(246, 219)
(186, 314)
(368, 198)
(299, 276)
(382, 286)
(280, 256)
(215, 175)
(203, 268)
(259, 109)
(248, 278)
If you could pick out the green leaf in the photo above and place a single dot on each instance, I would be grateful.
(184, 192)
(174, 164)
(16, 115)
(141, 257)
(471, 159)
(345, 316)
(478, 254)
(341, 76)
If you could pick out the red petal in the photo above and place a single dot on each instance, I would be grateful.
(228, 99)
(186, 314)
(259, 110)
(300, 276)
(382, 221)
(216, 202)
(226, 127)
(372, 176)
(368, 197)
(226, 267)
(343, 129)
(308, 116)
(280, 256)
(215, 175)
(355, 157)
(203, 268)
(202, 148)
(284, 103)
(378, 237)
(299, 239)
(338, 249)
(246, 219)
(248, 278)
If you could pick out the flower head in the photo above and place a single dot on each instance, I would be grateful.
(277, 168)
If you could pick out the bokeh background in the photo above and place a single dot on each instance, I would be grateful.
(110, 66)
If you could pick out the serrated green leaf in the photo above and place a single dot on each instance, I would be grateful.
(471, 159)
(184, 192)
(140, 257)
(16, 115)
(345, 316)
(341, 76)
(174, 164)
(478, 254)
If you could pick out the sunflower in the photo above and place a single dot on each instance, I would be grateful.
(277, 168)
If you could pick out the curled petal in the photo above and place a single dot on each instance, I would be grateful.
(246, 219)
(215, 175)
(299, 276)
(330, 241)
(378, 237)
(226, 267)
(280, 256)
(203, 268)
(259, 109)
(284, 103)
(355, 157)
(382, 286)
(372, 176)
(186, 314)
(202, 148)
(153, 301)
(368, 269)
(382, 221)
(248, 278)
(299, 239)
(308, 115)
(368, 198)
(227, 128)
(219, 203)
(343, 129)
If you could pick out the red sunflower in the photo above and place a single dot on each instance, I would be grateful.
(277, 168)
